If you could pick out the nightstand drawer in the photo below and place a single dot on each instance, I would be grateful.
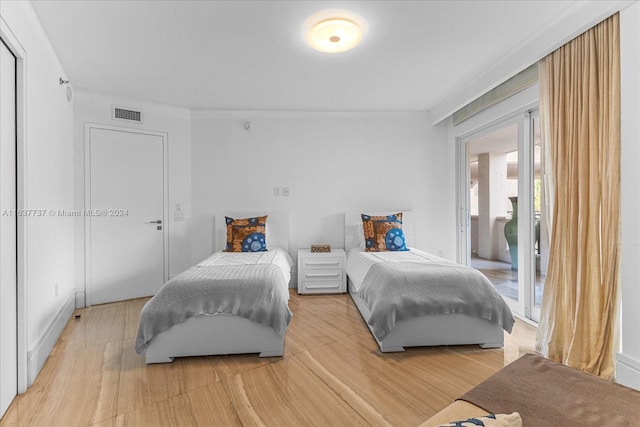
(321, 275)
(322, 287)
(316, 263)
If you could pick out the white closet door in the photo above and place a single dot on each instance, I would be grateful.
(8, 276)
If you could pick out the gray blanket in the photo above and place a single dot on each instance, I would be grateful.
(256, 292)
(399, 291)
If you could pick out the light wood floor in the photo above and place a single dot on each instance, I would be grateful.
(332, 374)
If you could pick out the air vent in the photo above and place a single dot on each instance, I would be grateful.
(119, 113)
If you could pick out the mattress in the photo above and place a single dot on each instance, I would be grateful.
(276, 256)
(359, 262)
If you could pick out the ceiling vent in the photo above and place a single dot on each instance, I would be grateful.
(119, 113)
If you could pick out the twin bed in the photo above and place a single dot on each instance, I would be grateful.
(230, 303)
(236, 302)
(409, 298)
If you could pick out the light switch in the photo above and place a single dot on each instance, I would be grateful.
(177, 214)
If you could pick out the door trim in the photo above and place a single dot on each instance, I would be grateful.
(87, 196)
(20, 53)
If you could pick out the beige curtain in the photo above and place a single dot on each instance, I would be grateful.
(580, 118)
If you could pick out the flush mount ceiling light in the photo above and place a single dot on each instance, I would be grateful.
(333, 31)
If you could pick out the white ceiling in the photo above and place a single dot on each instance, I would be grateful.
(250, 55)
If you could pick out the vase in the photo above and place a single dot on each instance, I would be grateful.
(511, 233)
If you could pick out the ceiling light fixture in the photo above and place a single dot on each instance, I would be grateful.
(334, 31)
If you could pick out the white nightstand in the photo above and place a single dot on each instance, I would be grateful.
(322, 272)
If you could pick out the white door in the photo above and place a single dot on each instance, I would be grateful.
(124, 215)
(8, 226)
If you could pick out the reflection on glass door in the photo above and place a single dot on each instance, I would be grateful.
(505, 202)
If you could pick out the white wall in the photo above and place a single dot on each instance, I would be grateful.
(176, 121)
(48, 181)
(332, 163)
(628, 367)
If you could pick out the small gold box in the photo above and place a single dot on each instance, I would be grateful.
(320, 248)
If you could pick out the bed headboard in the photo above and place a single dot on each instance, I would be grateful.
(354, 236)
(277, 228)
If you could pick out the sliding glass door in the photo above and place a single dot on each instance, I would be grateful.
(501, 207)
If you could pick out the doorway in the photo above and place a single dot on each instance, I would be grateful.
(8, 229)
(505, 227)
(125, 213)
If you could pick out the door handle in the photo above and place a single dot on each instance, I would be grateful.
(158, 221)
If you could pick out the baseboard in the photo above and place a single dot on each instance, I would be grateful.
(40, 352)
(80, 298)
(628, 371)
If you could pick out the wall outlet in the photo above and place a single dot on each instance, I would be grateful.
(285, 191)
(440, 253)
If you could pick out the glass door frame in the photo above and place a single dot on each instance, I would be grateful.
(532, 311)
(524, 305)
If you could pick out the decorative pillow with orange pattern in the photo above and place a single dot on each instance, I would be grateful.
(383, 233)
(246, 234)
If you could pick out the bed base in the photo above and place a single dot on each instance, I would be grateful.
(214, 335)
(434, 329)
